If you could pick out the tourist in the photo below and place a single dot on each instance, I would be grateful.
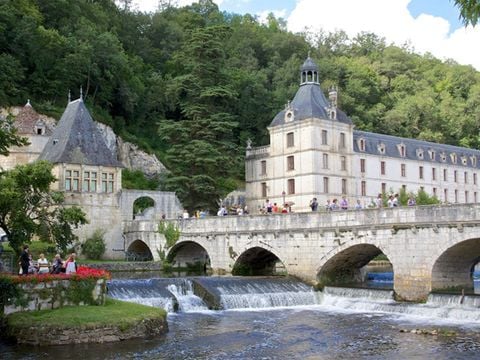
(24, 260)
(328, 205)
(344, 203)
(395, 200)
(70, 265)
(358, 205)
(390, 201)
(239, 211)
(334, 205)
(275, 208)
(379, 201)
(57, 265)
(314, 204)
(411, 201)
(268, 206)
(245, 210)
(32, 269)
(222, 211)
(285, 209)
(43, 266)
(185, 214)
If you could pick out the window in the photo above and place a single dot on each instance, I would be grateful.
(291, 186)
(455, 176)
(466, 197)
(384, 188)
(290, 163)
(464, 160)
(325, 161)
(343, 143)
(363, 189)
(443, 157)
(403, 170)
(362, 165)
(474, 161)
(453, 157)
(344, 186)
(474, 178)
(264, 189)
(343, 163)
(402, 150)
(89, 181)
(382, 167)
(324, 137)
(381, 148)
(263, 167)
(420, 172)
(68, 180)
(445, 174)
(361, 144)
(456, 196)
(290, 140)
(325, 184)
(108, 182)
(434, 191)
(420, 153)
(445, 195)
(475, 196)
(434, 174)
(465, 177)
(431, 152)
(111, 179)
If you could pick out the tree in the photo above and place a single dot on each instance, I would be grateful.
(28, 207)
(9, 136)
(469, 11)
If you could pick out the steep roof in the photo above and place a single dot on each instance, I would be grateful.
(27, 120)
(413, 147)
(309, 102)
(76, 140)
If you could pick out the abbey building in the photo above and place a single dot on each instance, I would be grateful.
(314, 151)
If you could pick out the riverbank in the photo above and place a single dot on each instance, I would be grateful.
(115, 321)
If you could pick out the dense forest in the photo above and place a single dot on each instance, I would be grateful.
(192, 84)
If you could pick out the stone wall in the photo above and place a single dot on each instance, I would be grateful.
(55, 294)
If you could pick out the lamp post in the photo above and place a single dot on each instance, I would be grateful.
(283, 195)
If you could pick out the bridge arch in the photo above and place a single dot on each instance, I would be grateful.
(139, 251)
(258, 261)
(188, 254)
(345, 265)
(144, 208)
(453, 269)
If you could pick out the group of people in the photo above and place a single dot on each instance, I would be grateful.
(378, 202)
(42, 266)
(271, 208)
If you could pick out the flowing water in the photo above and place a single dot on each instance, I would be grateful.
(279, 318)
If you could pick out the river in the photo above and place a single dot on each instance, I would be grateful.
(283, 319)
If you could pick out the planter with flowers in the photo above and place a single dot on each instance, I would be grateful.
(49, 291)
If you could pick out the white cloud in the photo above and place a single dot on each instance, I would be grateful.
(392, 20)
(262, 16)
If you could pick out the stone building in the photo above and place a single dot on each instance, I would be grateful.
(314, 151)
(36, 129)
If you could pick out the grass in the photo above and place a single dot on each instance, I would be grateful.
(114, 313)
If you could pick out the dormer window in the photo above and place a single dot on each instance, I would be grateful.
(473, 159)
(464, 160)
(361, 144)
(431, 153)
(381, 148)
(443, 157)
(289, 116)
(453, 158)
(40, 128)
(55, 141)
(402, 150)
(420, 153)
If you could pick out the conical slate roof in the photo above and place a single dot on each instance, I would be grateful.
(309, 102)
(309, 64)
(27, 119)
(76, 140)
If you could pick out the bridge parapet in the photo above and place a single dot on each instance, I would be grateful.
(424, 216)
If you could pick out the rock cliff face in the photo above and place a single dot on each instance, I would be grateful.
(130, 155)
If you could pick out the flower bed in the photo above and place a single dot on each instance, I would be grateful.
(51, 291)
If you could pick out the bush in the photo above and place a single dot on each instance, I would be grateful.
(94, 247)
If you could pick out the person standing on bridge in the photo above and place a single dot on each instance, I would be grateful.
(314, 204)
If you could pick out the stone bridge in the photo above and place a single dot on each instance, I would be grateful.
(429, 247)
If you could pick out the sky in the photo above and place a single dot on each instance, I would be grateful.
(425, 25)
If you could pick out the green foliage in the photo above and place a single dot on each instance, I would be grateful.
(28, 207)
(204, 81)
(171, 233)
(8, 133)
(135, 179)
(80, 292)
(422, 198)
(94, 247)
(8, 292)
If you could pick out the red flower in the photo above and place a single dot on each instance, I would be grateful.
(83, 272)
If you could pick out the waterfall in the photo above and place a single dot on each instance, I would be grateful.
(167, 293)
(187, 300)
(255, 293)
